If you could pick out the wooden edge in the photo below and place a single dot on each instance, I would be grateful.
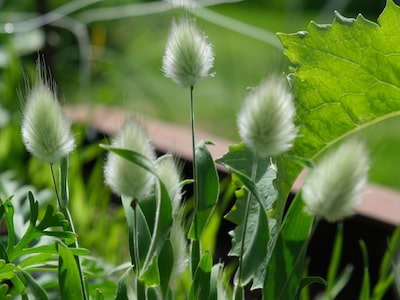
(380, 203)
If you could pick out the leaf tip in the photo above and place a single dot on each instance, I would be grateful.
(343, 20)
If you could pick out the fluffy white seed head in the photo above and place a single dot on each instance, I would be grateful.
(188, 56)
(266, 120)
(46, 131)
(124, 177)
(335, 186)
(169, 175)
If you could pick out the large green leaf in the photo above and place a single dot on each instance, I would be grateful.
(346, 76)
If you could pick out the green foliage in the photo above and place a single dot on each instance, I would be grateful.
(252, 234)
(206, 189)
(68, 274)
(28, 254)
(344, 78)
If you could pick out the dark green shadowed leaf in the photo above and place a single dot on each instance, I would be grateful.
(122, 291)
(239, 161)
(386, 274)
(166, 262)
(285, 268)
(143, 232)
(308, 281)
(68, 275)
(365, 291)
(201, 283)
(37, 291)
(162, 225)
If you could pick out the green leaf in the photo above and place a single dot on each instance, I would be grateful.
(337, 282)
(7, 271)
(44, 254)
(206, 189)
(335, 256)
(239, 161)
(340, 283)
(37, 291)
(255, 243)
(34, 209)
(141, 228)
(386, 274)
(306, 281)
(207, 178)
(345, 78)
(162, 225)
(9, 215)
(165, 261)
(149, 270)
(133, 156)
(3, 253)
(200, 288)
(285, 265)
(122, 291)
(365, 286)
(99, 295)
(68, 275)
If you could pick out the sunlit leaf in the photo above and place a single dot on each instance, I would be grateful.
(345, 79)
(206, 189)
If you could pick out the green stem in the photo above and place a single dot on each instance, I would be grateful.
(62, 206)
(246, 217)
(55, 185)
(195, 182)
(135, 247)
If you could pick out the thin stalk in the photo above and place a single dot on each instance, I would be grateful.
(195, 247)
(299, 258)
(135, 246)
(246, 218)
(62, 206)
(55, 185)
(195, 182)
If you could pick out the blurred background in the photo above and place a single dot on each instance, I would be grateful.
(110, 53)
